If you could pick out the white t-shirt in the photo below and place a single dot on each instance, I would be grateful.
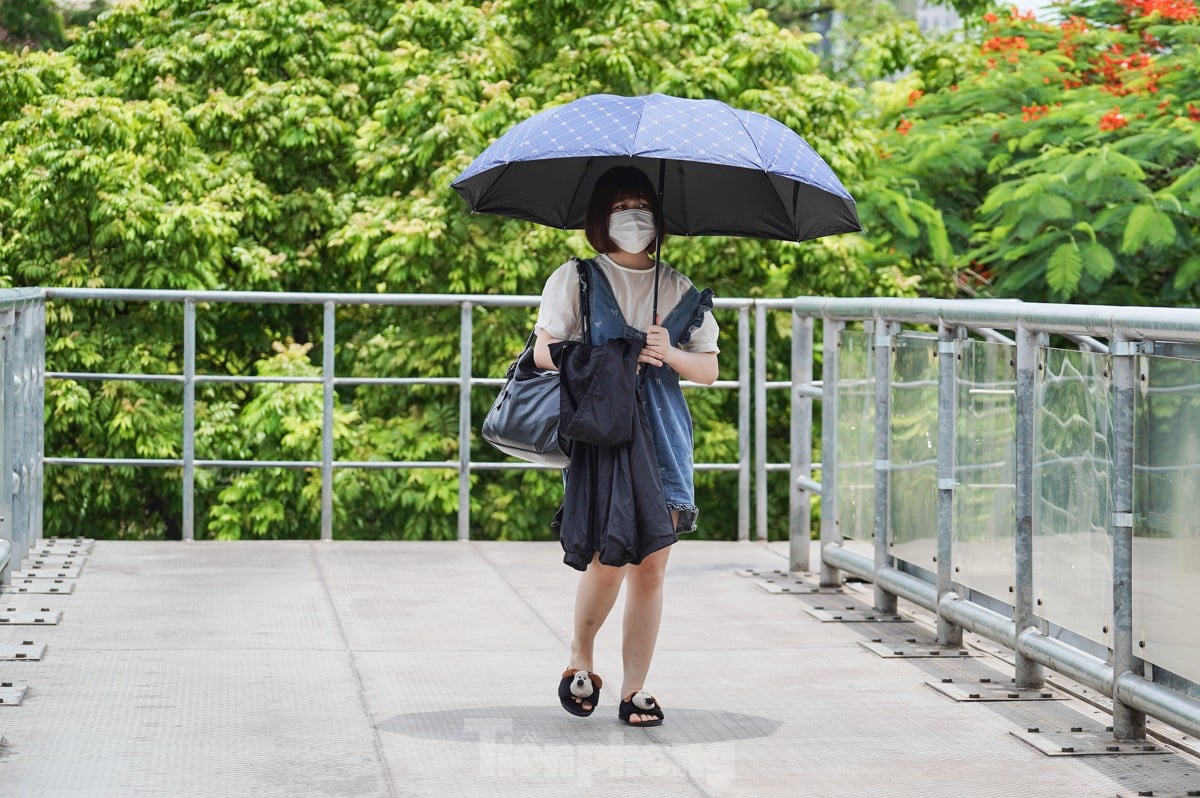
(558, 315)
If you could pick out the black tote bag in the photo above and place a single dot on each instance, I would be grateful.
(523, 421)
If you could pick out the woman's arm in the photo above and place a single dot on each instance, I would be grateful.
(541, 350)
(697, 367)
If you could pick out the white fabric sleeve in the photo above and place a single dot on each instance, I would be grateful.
(558, 314)
(704, 337)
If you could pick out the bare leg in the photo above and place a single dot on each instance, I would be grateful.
(643, 615)
(594, 599)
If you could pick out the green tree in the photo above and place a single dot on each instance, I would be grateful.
(310, 146)
(1063, 158)
(30, 23)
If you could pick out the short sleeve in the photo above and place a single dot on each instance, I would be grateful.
(704, 337)
(558, 314)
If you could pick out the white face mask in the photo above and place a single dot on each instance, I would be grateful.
(632, 230)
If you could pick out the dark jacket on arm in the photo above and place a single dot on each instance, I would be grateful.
(614, 502)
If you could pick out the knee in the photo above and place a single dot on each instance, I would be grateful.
(603, 576)
(649, 574)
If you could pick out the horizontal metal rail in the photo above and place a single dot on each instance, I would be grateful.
(189, 378)
(1105, 321)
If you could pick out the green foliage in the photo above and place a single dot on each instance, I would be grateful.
(310, 146)
(1063, 159)
(30, 23)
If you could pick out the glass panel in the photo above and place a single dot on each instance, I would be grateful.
(1072, 478)
(912, 490)
(1166, 543)
(985, 469)
(856, 437)
(6, 524)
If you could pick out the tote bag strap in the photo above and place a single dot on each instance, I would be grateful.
(585, 298)
(585, 304)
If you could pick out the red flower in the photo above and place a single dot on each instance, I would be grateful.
(904, 127)
(1177, 10)
(1113, 120)
(1074, 25)
(1032, 113)
(1193, 112)
(914, 95)
(1113, 67)
(1000, 44)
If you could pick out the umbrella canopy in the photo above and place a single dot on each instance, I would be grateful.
(720, 171)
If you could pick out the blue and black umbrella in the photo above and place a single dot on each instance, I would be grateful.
(719, 170)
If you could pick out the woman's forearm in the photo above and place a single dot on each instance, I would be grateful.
(697, 367)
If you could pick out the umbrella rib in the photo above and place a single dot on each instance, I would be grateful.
(492, 183)
(575, 195)
(766, 175)
(757, 151)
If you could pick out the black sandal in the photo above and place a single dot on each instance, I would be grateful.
(641, 703)
(570, 680)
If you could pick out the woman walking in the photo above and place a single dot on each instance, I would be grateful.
(623, 225)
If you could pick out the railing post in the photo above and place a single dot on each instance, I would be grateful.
(799, 504)
(831, 534)
(1027, 672)
(949, 351)
(1128, 723)
(328, 345)
(465, 366)
(189, 420)
(38, 353)
(885, 336)
(21, 415)
(760, 421)
(744, 423)
(8, 526)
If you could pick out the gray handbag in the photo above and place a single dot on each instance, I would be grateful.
(523, 421)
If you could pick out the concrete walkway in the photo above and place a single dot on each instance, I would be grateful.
(430, 669)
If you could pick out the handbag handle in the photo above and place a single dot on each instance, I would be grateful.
(585, 310)
(585, 300)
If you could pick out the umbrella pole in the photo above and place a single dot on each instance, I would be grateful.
(662, 224)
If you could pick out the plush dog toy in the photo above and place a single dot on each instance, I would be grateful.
(643, 700)
(581, 685)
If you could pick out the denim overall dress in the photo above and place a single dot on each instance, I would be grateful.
(670, 419)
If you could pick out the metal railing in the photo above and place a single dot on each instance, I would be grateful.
(188, 378)
(1034, 486)
(1041, 496)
